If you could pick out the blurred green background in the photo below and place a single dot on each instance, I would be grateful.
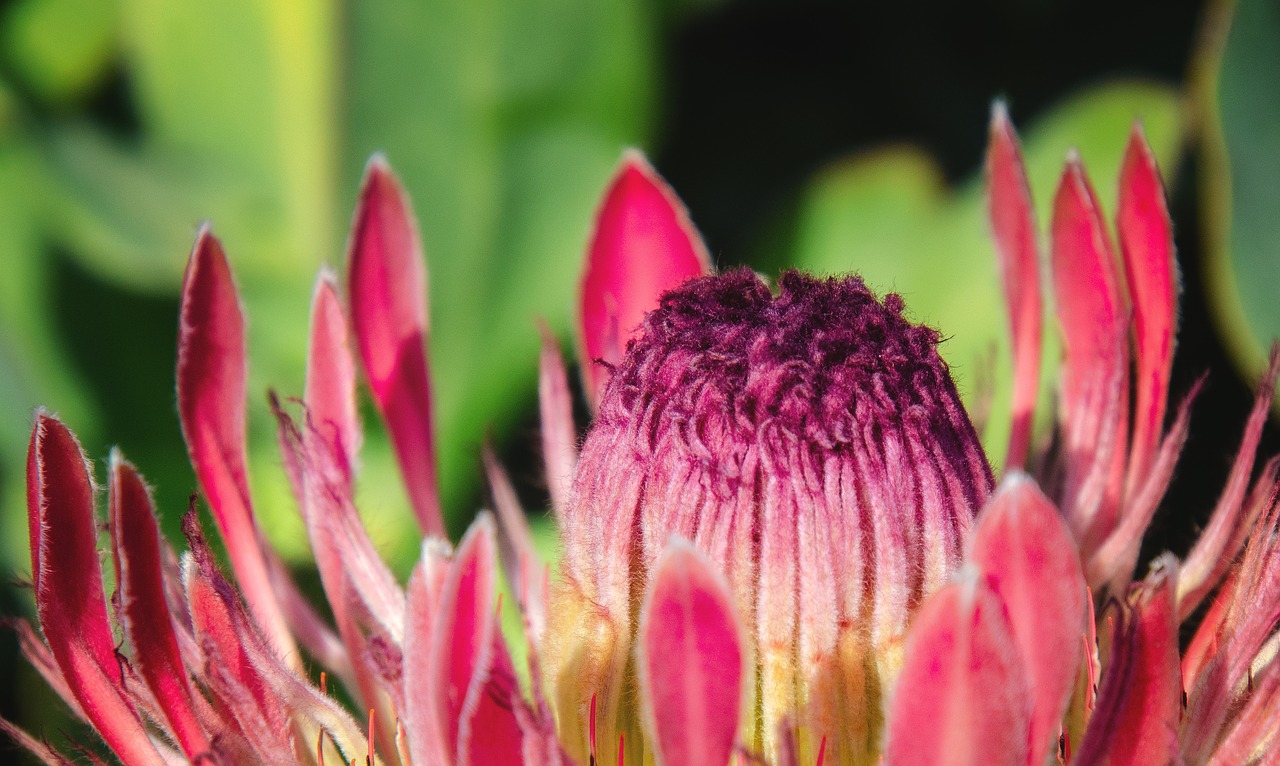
(832, 136)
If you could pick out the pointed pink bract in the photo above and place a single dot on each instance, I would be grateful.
(1014, 227)
(1146, 243)
(387, 286)
(1093, 316)
(140, 578)
(469, 684)
(1135, 722)
(643, 245)
(331, 375)
(69, 593)
(211, 407)
(1029, 560)
(427, 741)
(690, 660)
(962, 697)
(559, 437)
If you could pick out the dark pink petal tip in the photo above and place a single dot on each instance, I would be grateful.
(1146, 244)
(140, 576)
(468, 676)
(644, 244)
(387, 287)
(211, 407)
(1013, 226)
(69, 592)
(691, 660)
(1029, 559)
(962, 697)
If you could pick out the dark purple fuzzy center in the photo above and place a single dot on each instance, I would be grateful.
(727, 360)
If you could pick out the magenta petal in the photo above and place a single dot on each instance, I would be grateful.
(1136, 719)
(472, 707)
(962, 697)
(1146, 243)
(559, 436)
(1014, 225)
(387, 286)
(1029, 560)
(691, 661)
(211, 406)
(140, 575)
(643, 245)
(68, 589)
(1093, 315)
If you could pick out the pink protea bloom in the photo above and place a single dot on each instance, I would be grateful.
(812, 446)
(782, 543)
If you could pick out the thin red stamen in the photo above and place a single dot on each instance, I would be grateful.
(369, 758)
(591, 728)
(822, 751)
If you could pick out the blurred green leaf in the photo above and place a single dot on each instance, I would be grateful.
(1241, 109)
(60, 48)
(889, 216)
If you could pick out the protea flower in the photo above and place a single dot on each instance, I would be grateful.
(782, 541)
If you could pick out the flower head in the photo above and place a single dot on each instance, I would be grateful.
(784, 436)
(781, 539)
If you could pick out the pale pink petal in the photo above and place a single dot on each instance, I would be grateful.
(331, 414)
(351, 570)
(313, 632)
(387, 287)
(559, 437)
(962, 698)
(427, 740)
(469, 681)
(1114, 559)
(1246, 633)
(643, 245)
(140, 576)
(211, 406)
(68, 589)
(1253, 730)
(323, 475)
(524, 569)
(1146, 243)
(1135, 722)
(1013, 224)
(1029, 559)
(690, 658)
(361, 591)
(224, 634)
(1093, 316)
(1217, 545)
(265, 696)
(331, 375)
(1208, 636)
